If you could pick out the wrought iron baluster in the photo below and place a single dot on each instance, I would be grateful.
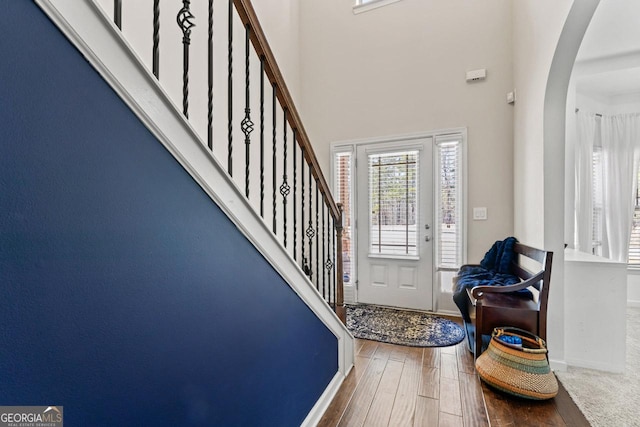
(185, 23)
(339, 276)
(333, 254)
(295, 183)
(156, 38)
(230, 92)
(247, 124)
(317, 243)
(329, 262)
(262, 136)
(210, 79)
(305, 267)
(310, 231)
(284, 188)
(273, 160)
(324, 273)
(117, 13)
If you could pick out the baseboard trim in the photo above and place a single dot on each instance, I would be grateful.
(605, 367)
(558, 365)
(321, 406)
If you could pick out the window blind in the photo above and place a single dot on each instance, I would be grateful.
(393, 203)
(449, 204)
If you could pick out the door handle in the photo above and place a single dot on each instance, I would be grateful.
(427, 238)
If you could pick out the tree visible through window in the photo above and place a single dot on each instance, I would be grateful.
(393, 203)
(342, 186)
(449, 202)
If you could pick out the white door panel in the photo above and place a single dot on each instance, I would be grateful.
(394, 186)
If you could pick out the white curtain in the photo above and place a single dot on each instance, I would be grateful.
(620, 158)
(583, 206)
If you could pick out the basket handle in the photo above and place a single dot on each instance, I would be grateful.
(524, 334)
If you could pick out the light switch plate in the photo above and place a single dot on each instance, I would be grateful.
(479, 214)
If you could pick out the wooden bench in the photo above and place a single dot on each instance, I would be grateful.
(495, 306)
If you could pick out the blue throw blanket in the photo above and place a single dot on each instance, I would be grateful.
(498, 259)
(494, 270)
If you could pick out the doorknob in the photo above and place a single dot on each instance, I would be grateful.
(426, 226)
(427, 238)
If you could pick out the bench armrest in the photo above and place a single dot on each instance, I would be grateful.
(479, 291)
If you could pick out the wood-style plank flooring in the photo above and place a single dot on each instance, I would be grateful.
(393, 385)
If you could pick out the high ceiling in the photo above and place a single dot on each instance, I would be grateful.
(614, 31)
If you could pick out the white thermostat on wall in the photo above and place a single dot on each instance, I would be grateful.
(476, 75)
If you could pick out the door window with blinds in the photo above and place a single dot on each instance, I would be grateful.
(393, 203)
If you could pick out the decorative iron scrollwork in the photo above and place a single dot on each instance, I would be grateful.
(310, 231)
(329, 264)
(285, 189)
(185, 22)
(247, 125)
(306, 268)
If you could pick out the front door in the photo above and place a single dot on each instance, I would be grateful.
(394, 224)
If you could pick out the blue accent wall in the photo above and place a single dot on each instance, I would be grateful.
(126, 295)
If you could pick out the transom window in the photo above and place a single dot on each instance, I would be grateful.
(365, 5)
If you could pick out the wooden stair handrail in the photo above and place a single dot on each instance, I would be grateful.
(249, 19)
(259, 40)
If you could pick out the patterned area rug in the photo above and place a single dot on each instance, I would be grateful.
(411, 328)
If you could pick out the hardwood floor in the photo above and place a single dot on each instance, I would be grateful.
(393, 385)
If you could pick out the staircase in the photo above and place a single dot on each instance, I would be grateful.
(251, 155)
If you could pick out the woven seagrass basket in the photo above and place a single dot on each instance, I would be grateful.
(518, 370)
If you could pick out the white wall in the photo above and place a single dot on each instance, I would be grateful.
(280, 20)
(400, 69)
(537, 25)
(547, 35)
(633, 289)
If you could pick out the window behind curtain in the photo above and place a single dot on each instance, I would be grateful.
(597, 201)
(634, 243)
(598, 206)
